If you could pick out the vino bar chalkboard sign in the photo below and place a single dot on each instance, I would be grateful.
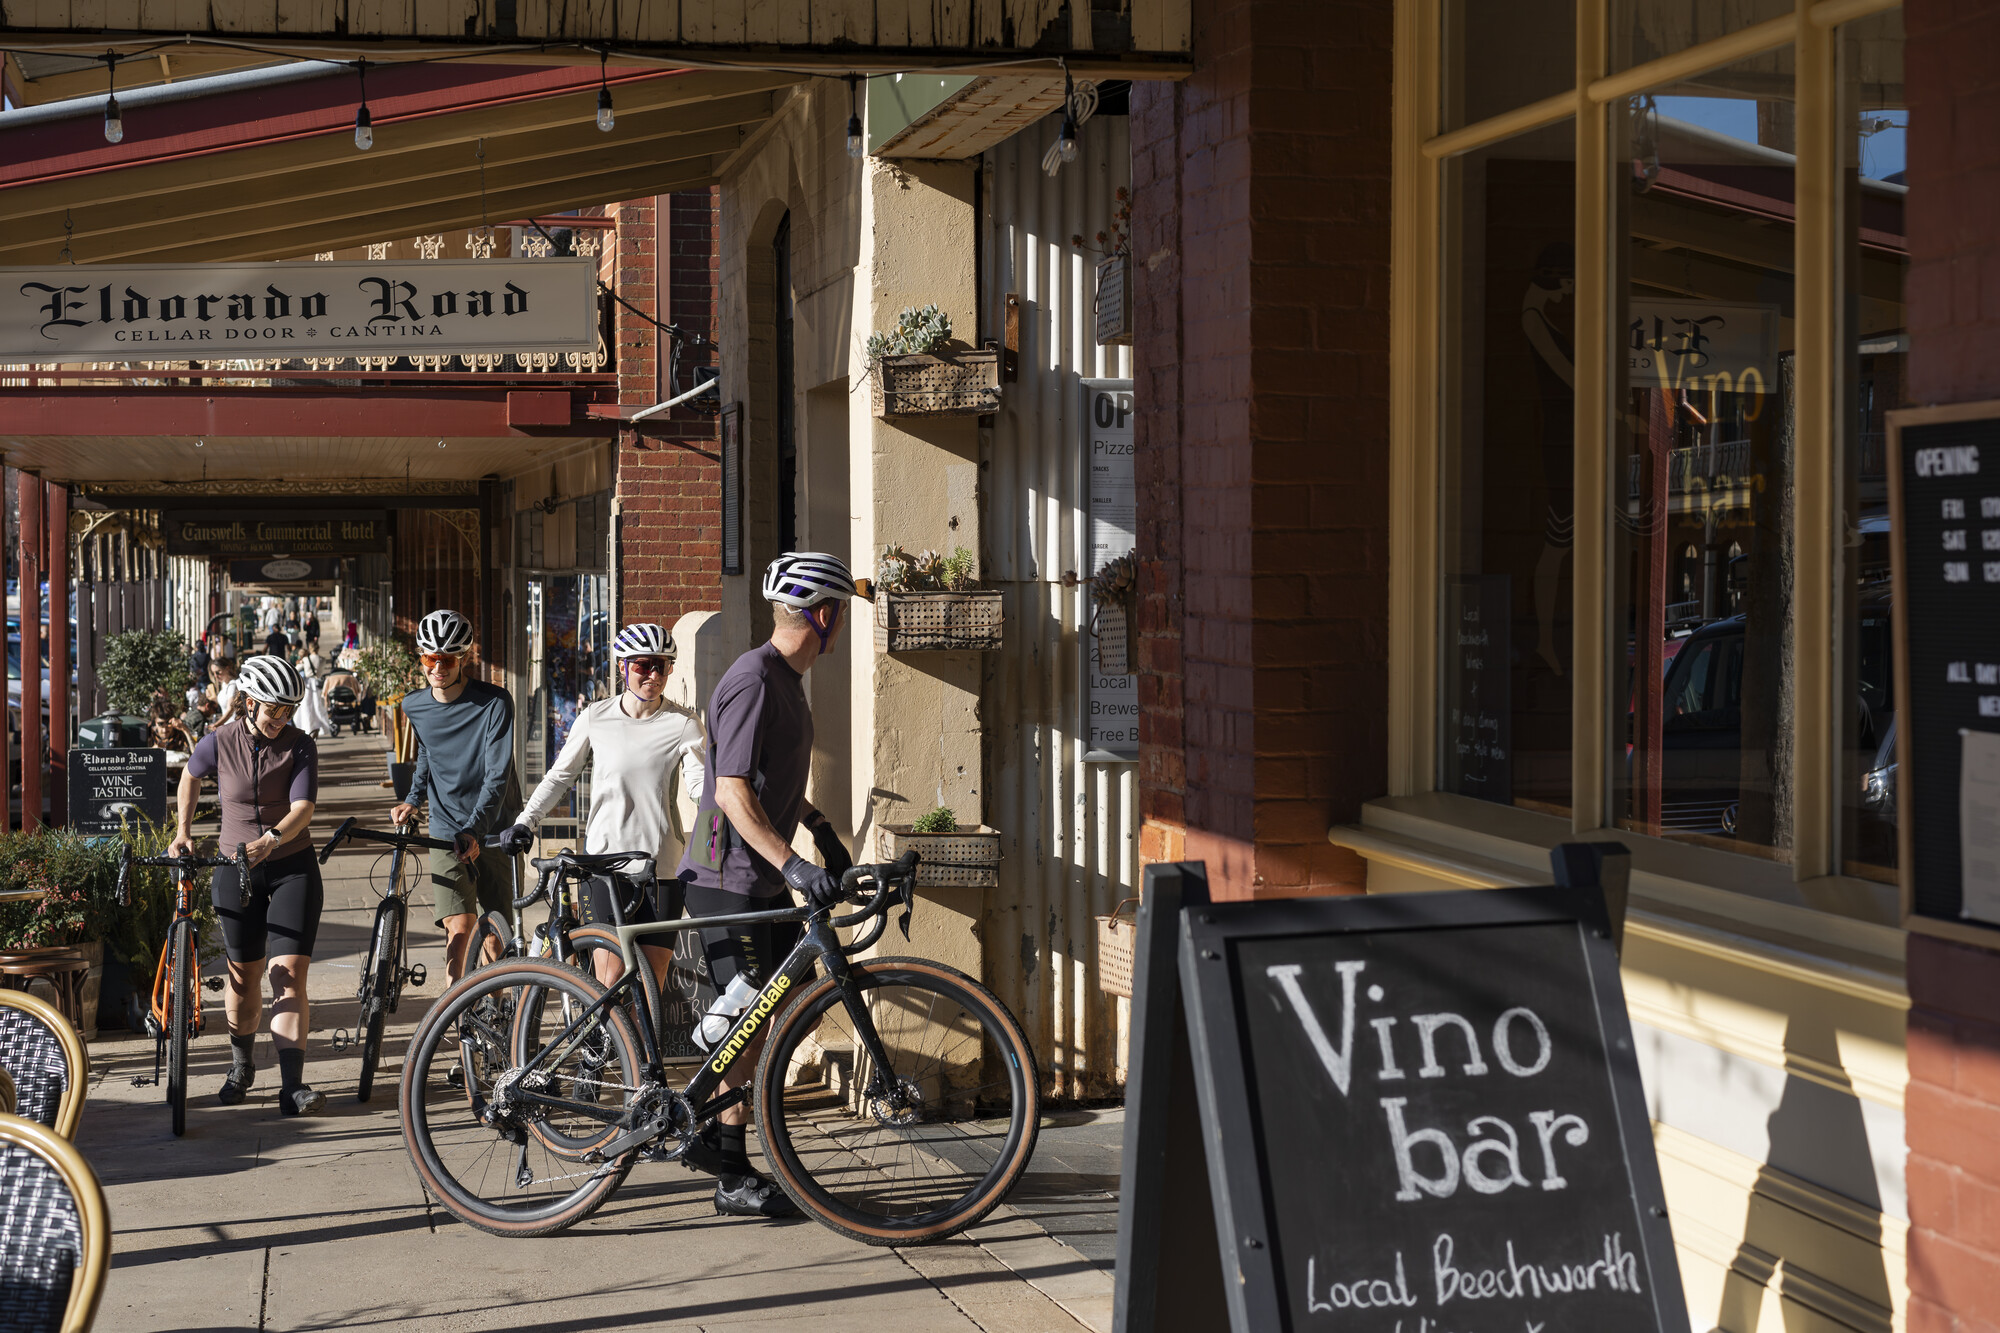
(1945, 549)
(1428, 1115)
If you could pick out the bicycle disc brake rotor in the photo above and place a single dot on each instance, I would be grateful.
(900, 1108)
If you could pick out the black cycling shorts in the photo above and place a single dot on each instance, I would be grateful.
(593, 893)
(282, 915)
(755, 950)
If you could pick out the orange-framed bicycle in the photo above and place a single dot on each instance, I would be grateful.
(175, 1017)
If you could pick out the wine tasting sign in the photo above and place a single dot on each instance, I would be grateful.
(148, 312)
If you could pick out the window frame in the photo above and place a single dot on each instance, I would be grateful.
(1420, 261)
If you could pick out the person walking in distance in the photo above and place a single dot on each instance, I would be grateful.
(740, 858)
(266, 775)
(635, 740)
(465, 767)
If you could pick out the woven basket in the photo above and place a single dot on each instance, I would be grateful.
(954, 385)
(966, 859)
(1114, 951)
(1114, 640)
(937, 622)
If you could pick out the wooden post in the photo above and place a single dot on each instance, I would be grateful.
(30, 503)
(57, 563)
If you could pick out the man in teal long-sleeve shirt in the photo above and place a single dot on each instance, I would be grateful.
(465, 767)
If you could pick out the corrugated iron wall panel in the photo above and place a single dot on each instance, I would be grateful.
(1070, 828)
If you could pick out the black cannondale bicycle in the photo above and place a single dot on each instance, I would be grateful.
(387, 968)
(896, 1098)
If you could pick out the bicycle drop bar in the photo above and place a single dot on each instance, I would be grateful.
(185, 866)
(347, 832)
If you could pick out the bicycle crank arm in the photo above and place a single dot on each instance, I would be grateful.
(624, 1143)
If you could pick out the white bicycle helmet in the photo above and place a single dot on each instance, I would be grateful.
(643, 640)
(271, 680)
(444, 632)
(804, 579)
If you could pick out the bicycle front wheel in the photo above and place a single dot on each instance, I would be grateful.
(947, 1131)
(376, 989)
(483, 1153)
(183, 1001)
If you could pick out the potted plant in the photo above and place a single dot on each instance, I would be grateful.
(917, 370)
(390, 670)
(929, 602)
(950, 855)
(1113, 593)
(140, 667)
(1114, 274)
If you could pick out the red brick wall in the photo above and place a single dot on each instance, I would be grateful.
(1952, 72)
(668, 477)
(1261, 215)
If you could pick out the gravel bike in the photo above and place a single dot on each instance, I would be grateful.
(896, 1098)
(387, 967)
(176, 1016)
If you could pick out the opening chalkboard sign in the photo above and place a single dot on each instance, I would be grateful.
(1420, 1113)
(1944, 505)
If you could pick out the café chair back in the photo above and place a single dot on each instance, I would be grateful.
(55, 1234)
(46, 1059)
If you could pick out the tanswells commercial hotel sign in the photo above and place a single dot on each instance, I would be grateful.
(140, 312)
(318, 533)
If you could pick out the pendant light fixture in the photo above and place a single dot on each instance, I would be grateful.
(1066, 141)
(114, 123)
(606, 117)
(856, 145)
(364, 124)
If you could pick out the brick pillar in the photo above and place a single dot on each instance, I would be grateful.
(1261, 215)
(1952, 1106)
(669, 479)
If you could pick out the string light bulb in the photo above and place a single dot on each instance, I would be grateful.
(856, 145)
(607, 119)
(364, 124)
(1066, 141)
(114, 122)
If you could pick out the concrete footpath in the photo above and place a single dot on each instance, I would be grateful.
(257, 1221)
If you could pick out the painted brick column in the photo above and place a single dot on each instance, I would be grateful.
(1261, 216)
(1952, 1106)
(669, 478)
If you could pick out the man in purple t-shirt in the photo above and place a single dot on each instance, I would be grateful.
(760, 736)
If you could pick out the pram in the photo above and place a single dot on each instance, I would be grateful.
(343, 709)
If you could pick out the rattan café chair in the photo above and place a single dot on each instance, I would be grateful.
(46, 1057)
(55, 1234)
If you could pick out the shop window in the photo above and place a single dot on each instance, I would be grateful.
(1507, 654)
(1644, 30)
(1704, 455)
(1875, 348)
(1499, 57)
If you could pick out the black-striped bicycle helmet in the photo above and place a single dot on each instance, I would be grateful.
(271, 680)
(804, 579)
(643, 640)
(444, 632)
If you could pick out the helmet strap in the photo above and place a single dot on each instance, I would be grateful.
(831, 625)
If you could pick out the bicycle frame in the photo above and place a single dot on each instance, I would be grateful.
(183, 911)
(818, 944)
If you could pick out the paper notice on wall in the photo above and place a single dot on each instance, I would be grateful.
(1979, 825)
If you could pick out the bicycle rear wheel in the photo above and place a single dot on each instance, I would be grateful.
(376, 989)
(949, 1137)
(183, 1001)
(498, 1173)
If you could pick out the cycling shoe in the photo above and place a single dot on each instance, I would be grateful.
(752, 1196)
(301, 1101)
(236, 1086)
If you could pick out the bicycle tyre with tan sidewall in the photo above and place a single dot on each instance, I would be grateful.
(453, 1152)
(953, 1123)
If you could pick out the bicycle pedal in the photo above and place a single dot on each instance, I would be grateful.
(141, 1081)
(415, 975)
(340, 1040)
(212, 984)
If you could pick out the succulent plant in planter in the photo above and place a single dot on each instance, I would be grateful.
(930, 602)
(918, 370)
(940, 820)
(1114, 592)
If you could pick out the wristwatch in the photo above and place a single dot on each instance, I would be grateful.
(273, 834)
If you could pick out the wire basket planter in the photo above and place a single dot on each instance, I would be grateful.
(954, 384)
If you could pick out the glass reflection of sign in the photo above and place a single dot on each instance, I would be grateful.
(1692, 345)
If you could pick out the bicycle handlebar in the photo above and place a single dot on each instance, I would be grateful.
(348, 832)
(546, 867)
(185, 865)
(893, 879)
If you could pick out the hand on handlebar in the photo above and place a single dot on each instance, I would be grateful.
(182, 845)
(819, 887)
(513, 841)
(402, 813)
(832, 852)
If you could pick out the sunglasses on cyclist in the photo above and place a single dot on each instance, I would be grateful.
(438, 659)
(649, 666)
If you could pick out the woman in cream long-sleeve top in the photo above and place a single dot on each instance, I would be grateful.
(634, 741)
